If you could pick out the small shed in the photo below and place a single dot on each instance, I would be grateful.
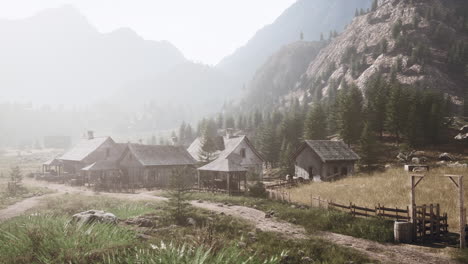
(53, 166)
(223, 174)
(324, 160)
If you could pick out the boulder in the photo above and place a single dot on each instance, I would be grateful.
(191, 221)
(415, 160)
(457, 165)
(95, 215)
(464, 130)
(446, 156)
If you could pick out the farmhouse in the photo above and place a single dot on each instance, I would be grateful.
(87, 152)
(152, 166)
(324, 160)
(234, 164)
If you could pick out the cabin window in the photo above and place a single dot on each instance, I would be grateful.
(344, 171)
(242, 153)
(311, 171)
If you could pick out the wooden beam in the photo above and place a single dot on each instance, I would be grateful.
(461, 204)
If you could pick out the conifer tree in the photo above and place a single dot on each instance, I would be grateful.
(179, 198)
(397, 109)
(351, 115)
(182, 136)
(321, 37)
(368, 146)
(375, 4)
(267, 141)
(230, 122)
(315, 127)
(377, 96)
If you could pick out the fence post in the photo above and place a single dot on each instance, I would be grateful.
(319, 201)
(351, 208)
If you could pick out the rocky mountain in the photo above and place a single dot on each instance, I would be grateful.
(311, 17)
(423, 43)
(56, 56)
(281, 72)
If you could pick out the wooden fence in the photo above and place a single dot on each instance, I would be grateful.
(430, 223)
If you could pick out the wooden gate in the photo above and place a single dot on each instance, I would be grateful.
(430, 224)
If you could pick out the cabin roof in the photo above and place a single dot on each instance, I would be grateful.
(195, 148)
(84, 148)
(231, 164)
(52, 162)
(154, 155)
(329, 150)
(102, 165)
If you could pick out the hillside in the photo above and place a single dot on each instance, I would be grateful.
(422, 42)
(311, 17)
(59, 45)
(280, 74)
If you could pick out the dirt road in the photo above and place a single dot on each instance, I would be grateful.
(385, 253)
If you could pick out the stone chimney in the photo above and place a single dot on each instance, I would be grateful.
(229, 133)
(90, 135)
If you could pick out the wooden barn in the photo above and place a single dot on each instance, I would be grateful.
(153, 166)
(87, 152)
(324, 160)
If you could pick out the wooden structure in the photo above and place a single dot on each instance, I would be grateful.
(324, 160)
(223, 174)
(53, 167)
(240, 147)
(429, 223)
(458, 181)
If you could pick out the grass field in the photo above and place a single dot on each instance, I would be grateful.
(25, 191)
(390, 188)
(46, 235)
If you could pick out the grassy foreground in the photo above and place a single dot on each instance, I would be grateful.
(47, 235)
(314, 219)
(390, 188)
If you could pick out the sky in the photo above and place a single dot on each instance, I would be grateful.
(204, 30)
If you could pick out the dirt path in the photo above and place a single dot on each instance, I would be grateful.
(385, 253)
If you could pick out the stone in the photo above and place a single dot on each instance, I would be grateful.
(242, 244)
(446, 156)
(200, 201)
(457, 165)
(293, 206)
(307, 260)
(415, 160)
(191, 221)
(293, 220)
(388, 166)
(91, 216)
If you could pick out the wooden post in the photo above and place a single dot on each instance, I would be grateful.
(461, 194)
(414, 183)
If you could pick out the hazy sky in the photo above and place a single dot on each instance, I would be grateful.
(204, 30)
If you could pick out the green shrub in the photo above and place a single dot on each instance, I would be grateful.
(258, 190)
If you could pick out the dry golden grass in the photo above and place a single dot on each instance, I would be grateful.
(390, 188)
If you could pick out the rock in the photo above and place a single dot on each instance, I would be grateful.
(143, 237)
(267, 215)
(420, 169)
(415, 161)
(95, 215)
(293, 206)
(388, 166)
(446, 157)
(464, 129)
(191, 221)
(293, 220)
(419, 153)
(220, 205)
(307, 260)
(222, 213)
(199, 201)
(461, 136)
(242, 244)
(442, 162)
(457, 165)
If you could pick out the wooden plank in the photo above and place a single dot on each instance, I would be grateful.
(396, 210)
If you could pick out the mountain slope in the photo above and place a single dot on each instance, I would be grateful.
(311, 17)
(423, 43)
(281, 72)
(64, 57)
(418, 37)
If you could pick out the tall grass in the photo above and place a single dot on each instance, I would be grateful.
(390, 188)
(55, 239)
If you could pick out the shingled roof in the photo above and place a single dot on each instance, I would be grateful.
(231, 164)
(329, 150)
(151, 155)
(84, 148)
(102, 165)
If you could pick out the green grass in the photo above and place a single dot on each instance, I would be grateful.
(48, 236)
(69, 204)
(314, 219)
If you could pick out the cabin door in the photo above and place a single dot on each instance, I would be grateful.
(344, 171)
(311, 172)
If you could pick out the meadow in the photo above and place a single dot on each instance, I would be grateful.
(47, 235)
(390, 188)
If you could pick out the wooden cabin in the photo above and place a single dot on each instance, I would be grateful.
(153, 166)
(324, 160)
(223, 174)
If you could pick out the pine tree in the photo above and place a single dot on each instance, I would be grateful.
(315, 127)
(397, 109)
(301, 36)
(356, 13)
(182, 136)
(16, 175)
(208, 148)
(220, 121)
(179, 198)
(375, 5)
(230, 122)
(350, 115)
(377, 96)
(189, 133)
(321, 37)
(267, 141)
(286, 166)
(368, 146)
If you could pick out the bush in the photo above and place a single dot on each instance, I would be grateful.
(258, 190)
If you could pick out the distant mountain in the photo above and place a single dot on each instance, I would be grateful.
(421, 43)
(57, 56)
(311, 17)
(281, 73)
